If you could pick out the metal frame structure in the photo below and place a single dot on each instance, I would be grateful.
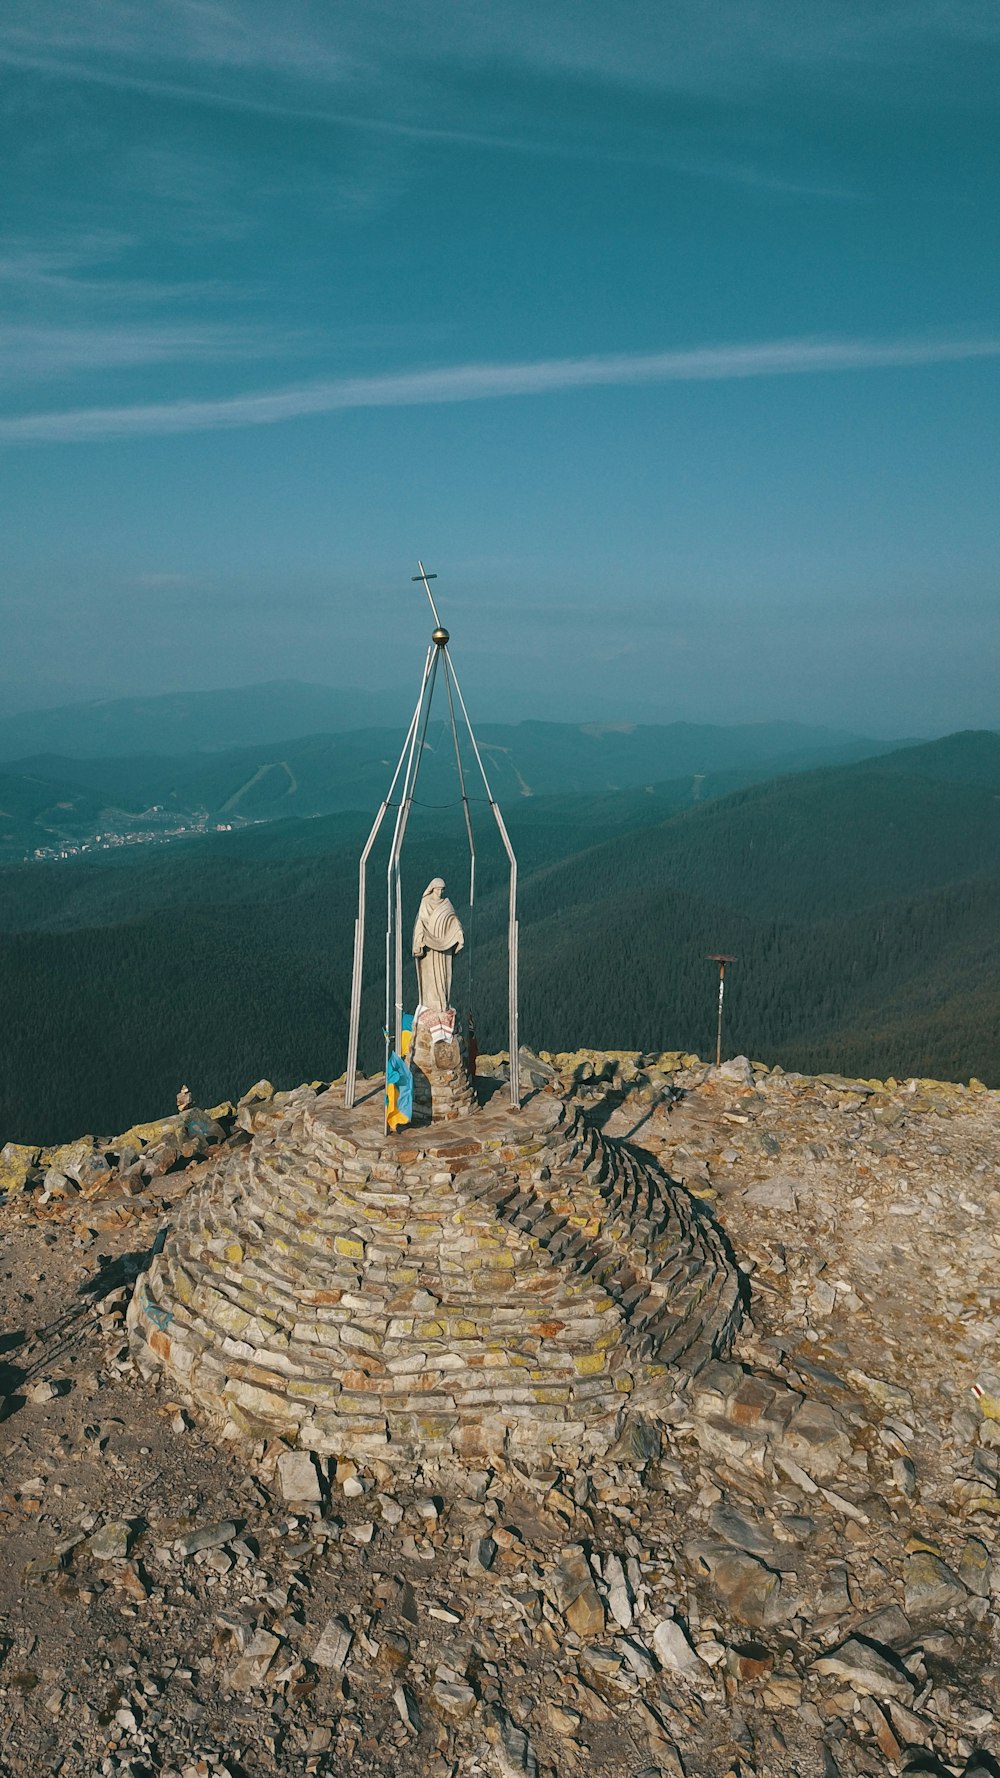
(408, 769)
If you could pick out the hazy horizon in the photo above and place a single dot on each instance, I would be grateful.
(493, 705)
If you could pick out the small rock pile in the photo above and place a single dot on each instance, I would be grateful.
(92, 1166)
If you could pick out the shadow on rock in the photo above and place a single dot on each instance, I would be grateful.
(114, 1273)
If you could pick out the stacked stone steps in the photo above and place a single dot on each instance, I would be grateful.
(628, 1186)
(658, 1324)
(654, 1208)
(664, 1332)
(511, 1282)
(252, 1273)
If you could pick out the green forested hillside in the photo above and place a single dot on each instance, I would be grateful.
(818, 845)
(33, 806)
(861, 903)
(49, 800)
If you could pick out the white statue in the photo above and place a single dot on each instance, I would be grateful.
(437, 936)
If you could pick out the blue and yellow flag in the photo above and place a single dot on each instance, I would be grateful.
(399, 1082)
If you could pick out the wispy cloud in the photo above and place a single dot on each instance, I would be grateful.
(512, 79)
(30, 350)
(75, 269)
(689, 44)
(486, 382)
(295, 107)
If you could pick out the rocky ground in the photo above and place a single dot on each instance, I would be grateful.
(803, 1579)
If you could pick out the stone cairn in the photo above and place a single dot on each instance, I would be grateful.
(496, 1283)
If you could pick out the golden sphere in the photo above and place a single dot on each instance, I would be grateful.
(440, 637)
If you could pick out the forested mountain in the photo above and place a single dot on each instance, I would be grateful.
(52, 801)
(861, 903)
(820, 844)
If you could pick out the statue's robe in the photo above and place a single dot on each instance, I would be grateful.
(437, 935)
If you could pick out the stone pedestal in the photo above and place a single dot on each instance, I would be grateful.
(442, 1082)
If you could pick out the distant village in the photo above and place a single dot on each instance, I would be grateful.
(185, 828)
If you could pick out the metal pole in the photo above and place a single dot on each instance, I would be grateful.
(512, 931)
(429, 665)
(393, 874)
(448, 670)
(721, 958)
(359, 924)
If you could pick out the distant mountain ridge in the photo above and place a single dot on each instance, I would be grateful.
(48, 801)
(248, 717)
(197, 721)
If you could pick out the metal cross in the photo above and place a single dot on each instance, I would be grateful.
(426, 578)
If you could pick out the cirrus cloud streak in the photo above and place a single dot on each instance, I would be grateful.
(485, 382)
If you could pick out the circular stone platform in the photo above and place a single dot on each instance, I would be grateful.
(509, 1282)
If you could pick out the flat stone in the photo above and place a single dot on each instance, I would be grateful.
(299, 1477)
(208, 1537)
(637, 1658)
(112, 1542)
(889, 1626)
(483, 1554)
(585, 1613)
(334, 1645)
(673, 1650)
(887, 1395)
(406, 1705)
(42, 1392)
(601, 1661)
(975, 1567)
(833, 1599)
(562, 1720)
(752, 1400)
(454, 1699)
(742, 1532)
(904, 1476)
(866, 1669)
(253, 1666)
(930, 1587)
(815, 1438)
(724, 1442)
(749, 1589)
(773, 1194)
(620, 1605)
(576, 1594)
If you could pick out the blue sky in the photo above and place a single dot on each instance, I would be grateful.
(669, 335)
